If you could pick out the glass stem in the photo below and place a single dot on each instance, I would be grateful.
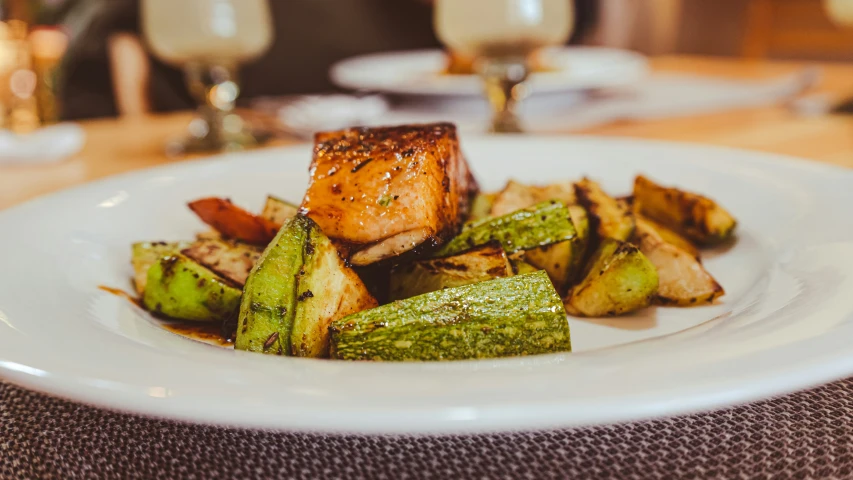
(215, 88)
(505, 89)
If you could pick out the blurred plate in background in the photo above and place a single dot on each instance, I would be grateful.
(423, 72)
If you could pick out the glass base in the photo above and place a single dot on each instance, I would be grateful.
(503, 81)
(204, 136)
(506, 124)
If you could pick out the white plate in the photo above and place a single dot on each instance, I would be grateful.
(784, 324)
(420, 72)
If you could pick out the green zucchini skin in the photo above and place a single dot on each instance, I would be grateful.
(479, 264)
(182, 289)
(619, 279)
(520, 315)
(269, 300)
(542, 224)
(146, 254)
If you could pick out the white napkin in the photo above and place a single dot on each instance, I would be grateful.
(659, 96)
(45, 145)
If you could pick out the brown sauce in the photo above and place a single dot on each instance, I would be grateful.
(207, 332)
(121, 293)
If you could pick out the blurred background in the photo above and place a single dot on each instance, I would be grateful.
(91, 56)
(90, 88)
(254, 70)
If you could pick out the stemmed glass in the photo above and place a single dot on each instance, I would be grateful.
(209, 39)
(502, 35)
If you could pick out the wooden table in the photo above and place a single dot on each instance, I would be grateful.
(120, 145)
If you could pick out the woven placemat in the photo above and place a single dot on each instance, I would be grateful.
(804, 435)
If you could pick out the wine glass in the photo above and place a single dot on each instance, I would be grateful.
(209, 39)
(502, 35)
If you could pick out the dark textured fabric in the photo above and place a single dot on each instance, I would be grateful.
(804, 435)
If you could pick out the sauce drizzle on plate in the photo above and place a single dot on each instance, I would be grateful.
(206, 332)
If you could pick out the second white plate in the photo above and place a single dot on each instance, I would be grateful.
(421, 72)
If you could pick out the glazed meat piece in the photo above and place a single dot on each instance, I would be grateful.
(382, 192)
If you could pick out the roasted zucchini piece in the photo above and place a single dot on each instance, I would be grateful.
(277, 211)
(479, 264)
(564, 261)
(269, 296)
(699, 218)
(516, 196)
(619, 279)
(683, 280)
(180, 288)
(298, 286)
(543, 224)
(231, 260)
(146, 254)
(481, 206)
(520, 315)
(608, 217)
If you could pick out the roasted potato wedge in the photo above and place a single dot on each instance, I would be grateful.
(209, 234)
(277, 211)
(699, 218)
(231, 260)
(608, 217)
(669, 235)
(683, 280)
(479, 264)
(234, 222)
(481, 206)
(328, 290)
(619, 279)
(516, 196)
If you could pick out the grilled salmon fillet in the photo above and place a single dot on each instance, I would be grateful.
(382, 192)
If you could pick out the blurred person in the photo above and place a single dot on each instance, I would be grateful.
(109, 72)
